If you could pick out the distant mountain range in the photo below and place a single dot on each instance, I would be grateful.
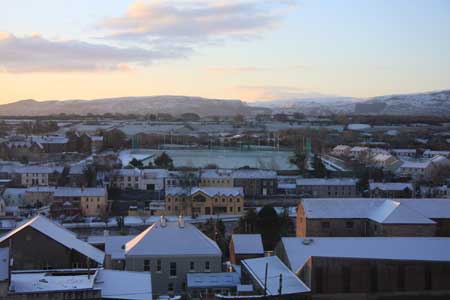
(175, 105)
(430, 103)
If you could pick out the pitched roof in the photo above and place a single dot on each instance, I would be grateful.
(299, 250)
(247, 244)
(60, 235)
(171, 240)
(326, 181)
(291, 284)
(386, 211)
(391, 186)
(210, 191)
(79, 192)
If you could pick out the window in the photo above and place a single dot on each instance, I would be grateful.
(191, 266)
(207, 266)
(325, 225)
(318, 274)
(401, 278)
(170, 287)
(158, 265)
(146, 265)
(173, 269)
(349, 224)
(346, 278)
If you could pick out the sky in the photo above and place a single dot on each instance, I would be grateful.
(253, 50)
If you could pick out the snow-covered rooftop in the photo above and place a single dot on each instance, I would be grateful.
(290, 284)
(171, 240)
(80, 192)
(41, 282)
(391, 186)
(124, 284)
(326, 181)
(114, 245)
(379, 210)
(39, 170)
(298, 250)
(59, 234)
(247, 244)
(210, 191)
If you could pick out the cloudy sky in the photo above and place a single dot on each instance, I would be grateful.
(246, 49)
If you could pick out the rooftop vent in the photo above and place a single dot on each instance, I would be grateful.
(307, 241)
(180, 221)
(163, 221)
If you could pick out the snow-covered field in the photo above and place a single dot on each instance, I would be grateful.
(276, 160)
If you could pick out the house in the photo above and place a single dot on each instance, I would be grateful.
(359, 267)
(42, 244)
(216, 178)
(37, 196)
(84, 201)
(401, 153)
(207, 285)
(147, 179)
(423, 169)
(52, 143)
(391, 189)
(244, 246)
(170, 250)
(384, 161)
(359, 153)
(273, 279)
(39, 175)
(427, 191)
(22, 149)
(432, 153)
(204, 201)
(341, 150)
(373, 217)
(327, 187)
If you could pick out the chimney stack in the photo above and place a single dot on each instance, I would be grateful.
(180, 221)
(163, 221)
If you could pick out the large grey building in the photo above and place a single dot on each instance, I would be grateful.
(170, 250)
(327, 187)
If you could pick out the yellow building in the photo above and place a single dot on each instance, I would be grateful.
(90, 202)
(205, 201)
(216, 178)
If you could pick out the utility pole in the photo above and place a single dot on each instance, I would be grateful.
(280, 289)
(265, 280)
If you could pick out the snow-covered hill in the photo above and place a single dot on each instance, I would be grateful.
(174, 105)
(431, 103)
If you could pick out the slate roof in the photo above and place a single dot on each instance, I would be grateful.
(247, 244)
(291, 284)
(299, 250)
(171, 240)
(59, 234)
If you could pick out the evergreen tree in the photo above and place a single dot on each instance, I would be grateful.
(164, 161)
